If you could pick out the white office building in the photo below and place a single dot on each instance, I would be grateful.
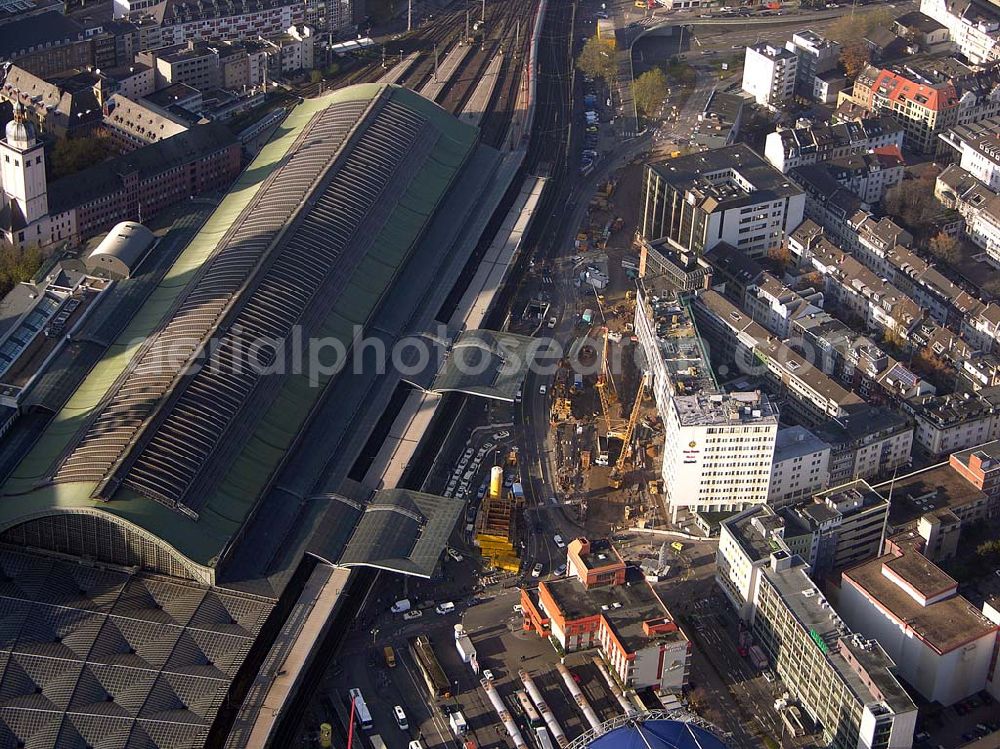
(769, 74)
(717, 451)
(726, 195)
(718, 446)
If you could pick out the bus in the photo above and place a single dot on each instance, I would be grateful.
(542, 736)
(435, 678)
(530, 713)
(361, 713)
(376, 741)
(390, 656)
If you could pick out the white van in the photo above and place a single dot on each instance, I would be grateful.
(401, 606)
(400, 718)
(445, 608)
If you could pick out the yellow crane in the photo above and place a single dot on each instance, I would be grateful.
(607, 392)
(615, 479)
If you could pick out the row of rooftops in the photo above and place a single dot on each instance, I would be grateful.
(981, 135)
(852, 274)
(782, 357)
(945, 411)
(907, 313)
(935, 82)
(807, 138)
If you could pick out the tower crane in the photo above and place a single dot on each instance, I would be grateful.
(615, 478)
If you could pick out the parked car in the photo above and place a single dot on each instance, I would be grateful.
(413, 614)
(455, 555)
(536, 571)
(559, 541)
(445, 608)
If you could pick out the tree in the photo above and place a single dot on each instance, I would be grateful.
(853, 28)
(649, 91)
(597, 59)
(71, 155)
(315, 76)
(912, 202)
(780, 255)
(945, 247)
(854, 57)
(989, 552)
(16, 267)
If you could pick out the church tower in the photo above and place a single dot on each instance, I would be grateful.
(22, 169)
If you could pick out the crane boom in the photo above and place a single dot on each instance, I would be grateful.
(625, 454)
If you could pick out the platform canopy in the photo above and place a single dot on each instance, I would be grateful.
(487, 364)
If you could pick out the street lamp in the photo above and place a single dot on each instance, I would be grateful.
(374, 635)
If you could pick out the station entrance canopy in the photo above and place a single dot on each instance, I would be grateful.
(395, 529)
(487, 364)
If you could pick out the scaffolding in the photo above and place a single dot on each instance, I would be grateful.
(497, 529)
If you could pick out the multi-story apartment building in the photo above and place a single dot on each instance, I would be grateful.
(809, 143)
(169, 23)
(845, 683)
(134, 124)
(948, 423)
(832, 531)
(801, 466)
(868, 444)
(603, 603)
(928, 96)
(982, 327)
(718, 447)
(943, 645)
(867, 175)
(841, 527)
(977, 145)
(856, 361)
(974, 26)
(885, 247)
(934, 505)
(776, 307)
(192, 63)
(855, 288)
(769, 74)
(922, 109)
(726, 195)
(292, 50)
(816, 55)
(978, 204)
